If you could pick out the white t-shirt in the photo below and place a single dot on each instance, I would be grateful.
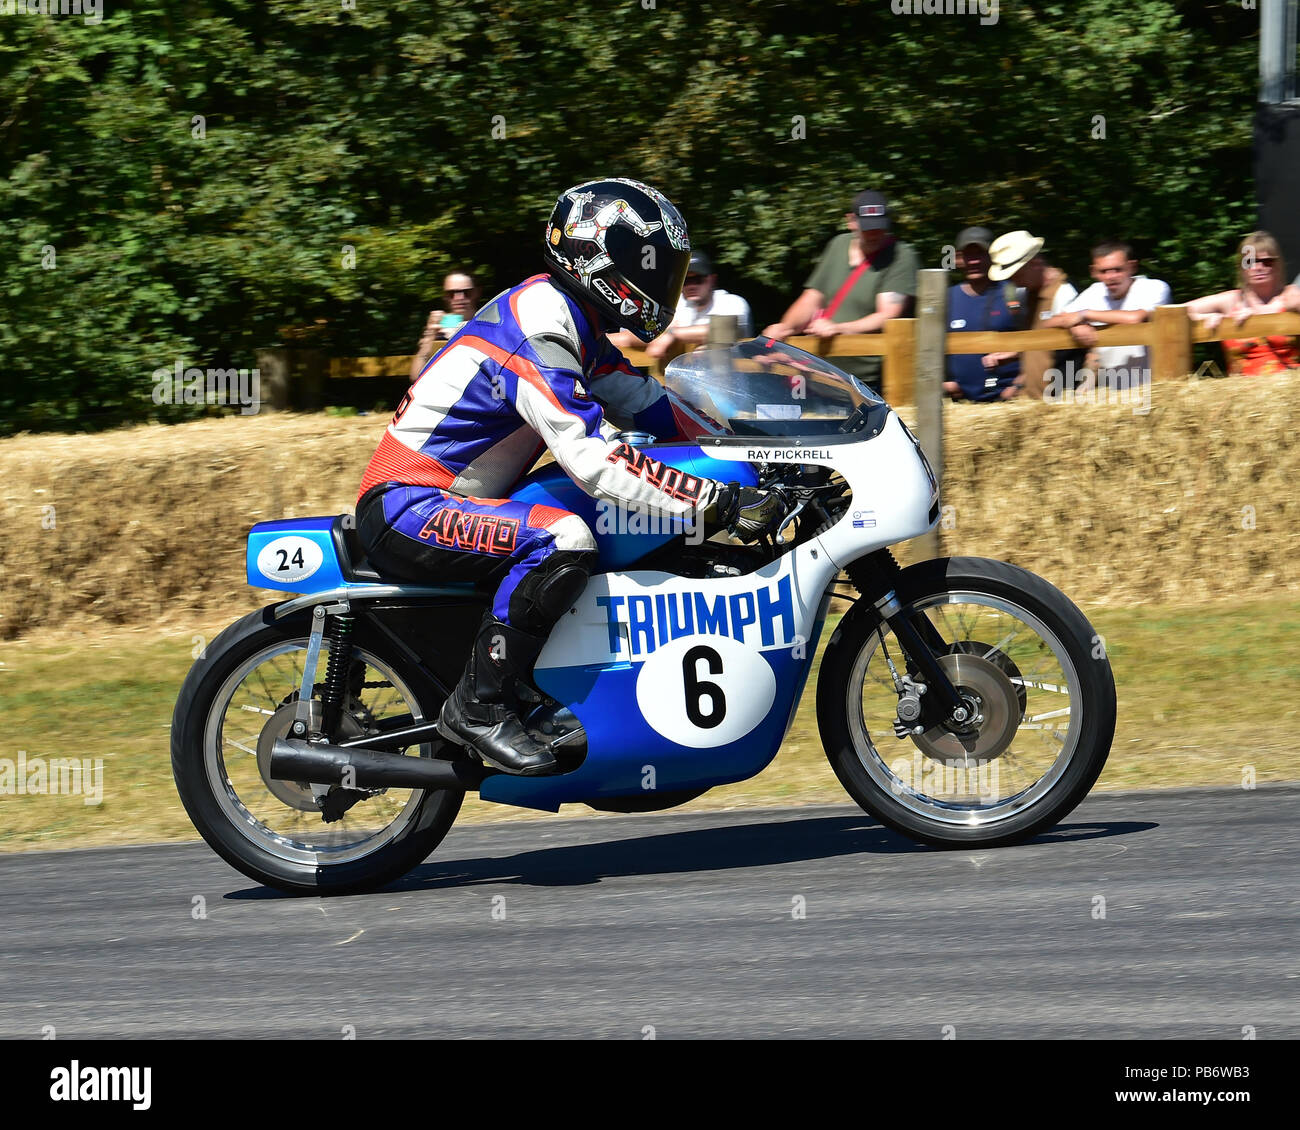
(720, 302)
(1064, 294)
(1143, 294)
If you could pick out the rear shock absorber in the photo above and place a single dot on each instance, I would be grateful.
(336, 675)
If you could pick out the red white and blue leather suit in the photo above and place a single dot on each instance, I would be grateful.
(528, 372)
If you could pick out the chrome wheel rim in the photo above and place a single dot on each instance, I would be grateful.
(273, 820)
(1000, 772)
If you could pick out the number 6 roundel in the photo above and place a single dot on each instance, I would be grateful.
(705, 691)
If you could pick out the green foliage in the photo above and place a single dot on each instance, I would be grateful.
(430, 135)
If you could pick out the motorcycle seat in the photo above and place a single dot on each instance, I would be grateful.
(352, 556)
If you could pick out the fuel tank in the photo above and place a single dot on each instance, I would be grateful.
(623, 534)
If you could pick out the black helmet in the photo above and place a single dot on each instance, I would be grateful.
(621, 246)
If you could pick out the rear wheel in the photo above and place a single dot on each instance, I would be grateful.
(1038, 690)
(239, 699)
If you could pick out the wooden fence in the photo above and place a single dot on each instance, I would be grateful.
(296, 375)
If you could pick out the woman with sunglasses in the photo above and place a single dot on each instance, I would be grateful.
(1261, 278)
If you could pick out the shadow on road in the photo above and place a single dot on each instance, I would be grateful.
(695, 850)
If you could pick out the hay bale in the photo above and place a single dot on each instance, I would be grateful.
(1189, 501)
(152, 520)
(1186, 502)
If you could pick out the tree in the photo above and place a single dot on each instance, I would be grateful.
(190, 180)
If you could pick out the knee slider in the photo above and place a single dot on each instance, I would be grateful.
(562, 588)
(546, 593)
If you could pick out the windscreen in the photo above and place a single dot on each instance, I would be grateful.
(764, 388)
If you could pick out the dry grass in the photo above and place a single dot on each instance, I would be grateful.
(1190, 682)
(123, 527)
(1188, 502)
(1192, 501)
(121, 548)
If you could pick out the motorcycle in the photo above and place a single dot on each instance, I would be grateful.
(962, 702)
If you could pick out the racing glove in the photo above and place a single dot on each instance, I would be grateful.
(747, 512)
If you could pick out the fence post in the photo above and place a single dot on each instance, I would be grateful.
(309, 379)
(273, 374)
(931, 332)
(723, 329)
(1171, 352)
(899, 379)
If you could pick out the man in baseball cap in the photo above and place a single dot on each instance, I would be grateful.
(973, 257)
(870, 212)
(865, 277)
(977, 303)
(701, 299)
(974, 237)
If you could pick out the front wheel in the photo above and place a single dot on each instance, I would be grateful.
(1033, 675)
(243, 695)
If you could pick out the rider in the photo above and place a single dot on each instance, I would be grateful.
(530, 371)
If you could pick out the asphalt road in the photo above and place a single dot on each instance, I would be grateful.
(804, 922)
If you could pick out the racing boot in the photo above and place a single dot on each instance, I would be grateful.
(482, 712)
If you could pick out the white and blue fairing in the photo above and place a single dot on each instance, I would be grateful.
(660, 669)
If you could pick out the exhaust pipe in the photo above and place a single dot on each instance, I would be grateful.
(319, 764)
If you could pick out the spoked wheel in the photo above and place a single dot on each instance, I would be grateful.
(1037, 691)
(234, 705)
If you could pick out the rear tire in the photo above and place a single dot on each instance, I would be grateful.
(895, 780)
(272, 835)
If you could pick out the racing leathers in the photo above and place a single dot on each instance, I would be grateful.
(528, 372)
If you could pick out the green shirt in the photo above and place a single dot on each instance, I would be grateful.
(893, 269)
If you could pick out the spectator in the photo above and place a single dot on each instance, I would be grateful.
(978, 304)
(701, 299)
(1291, 296)
(863, 278)
(1261, 282)
(1047, 291)
(1119, 297)
(461, 294)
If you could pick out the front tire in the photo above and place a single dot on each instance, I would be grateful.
(1039, 683)
(236, 700)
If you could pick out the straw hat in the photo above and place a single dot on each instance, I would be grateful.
(1010, 252)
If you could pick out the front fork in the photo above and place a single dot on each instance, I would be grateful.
(875, 577)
